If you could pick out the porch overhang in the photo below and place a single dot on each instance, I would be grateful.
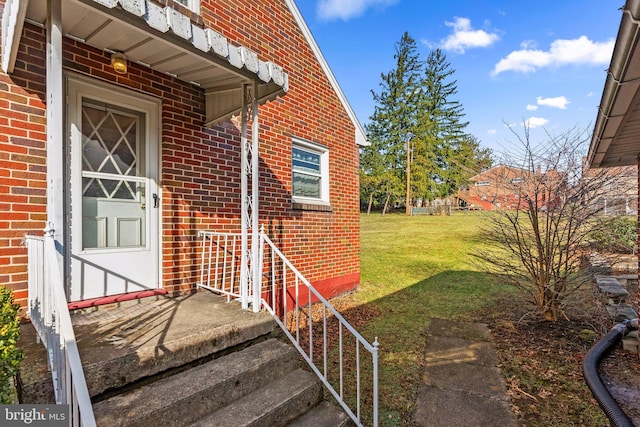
(160, 38)
(616, 135)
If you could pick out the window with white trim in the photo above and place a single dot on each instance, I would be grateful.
(309, 172)
(192, 5)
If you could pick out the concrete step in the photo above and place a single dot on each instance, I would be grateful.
(189, 395)
(274, 405)
(179, 331)
(133, 340)
(624, 279)
(614, 292)
(607, 281)
(620, 313)
(323, 415)
(176, 361)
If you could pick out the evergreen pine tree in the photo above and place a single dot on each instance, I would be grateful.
(446, 131)
(383, 163)
(418, 98)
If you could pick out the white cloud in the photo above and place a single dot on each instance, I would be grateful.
(531, 107)
(492, 131)
(557, 102)
(562, 52)
(329, 10)
(465, 37)
(534, 122)
(529, 45)
(590, 94)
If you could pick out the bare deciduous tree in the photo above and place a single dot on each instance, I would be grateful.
(547, 204)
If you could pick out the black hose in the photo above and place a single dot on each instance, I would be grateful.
(592, 360)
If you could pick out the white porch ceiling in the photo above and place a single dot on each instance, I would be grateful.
(616, 136)
(167, 41)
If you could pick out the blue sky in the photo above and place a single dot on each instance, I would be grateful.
(543, 62)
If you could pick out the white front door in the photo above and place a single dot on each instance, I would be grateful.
(114, 195)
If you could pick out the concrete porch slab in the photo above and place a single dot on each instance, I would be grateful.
(127, 341)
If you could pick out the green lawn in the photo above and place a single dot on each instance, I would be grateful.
(412, 270)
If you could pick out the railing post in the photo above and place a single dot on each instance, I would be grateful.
(257, 278)
(374, 355)
(255, 200)
(245, 205)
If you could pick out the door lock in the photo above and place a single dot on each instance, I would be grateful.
(155, 200)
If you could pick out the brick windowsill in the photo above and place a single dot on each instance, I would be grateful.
(296, 206)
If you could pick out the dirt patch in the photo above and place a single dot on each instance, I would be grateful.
(542, 362)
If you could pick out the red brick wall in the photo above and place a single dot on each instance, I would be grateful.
(23, 196)
(318, 241)
(200, 167)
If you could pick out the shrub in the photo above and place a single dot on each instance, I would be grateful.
(10, 355)
(616, 235)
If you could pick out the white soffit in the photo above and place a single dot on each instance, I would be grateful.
(161, 38)
(616, 135)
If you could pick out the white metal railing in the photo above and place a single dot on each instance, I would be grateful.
(292, 301)
(220, 258)
(49, 314)
(289, 297)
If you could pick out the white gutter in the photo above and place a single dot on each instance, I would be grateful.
(626, 41)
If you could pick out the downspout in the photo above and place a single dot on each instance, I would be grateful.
(590, 369)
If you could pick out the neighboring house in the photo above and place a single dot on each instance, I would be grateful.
(121, 134)
(506, 187)
(620, 193)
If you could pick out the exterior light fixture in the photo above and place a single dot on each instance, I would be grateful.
(119, 62)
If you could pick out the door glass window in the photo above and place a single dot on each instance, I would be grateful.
(113, 185)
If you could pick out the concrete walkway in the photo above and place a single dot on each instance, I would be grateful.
(461, 383)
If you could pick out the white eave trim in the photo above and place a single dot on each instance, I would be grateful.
(626, 42)
(12, 22)
(167, 19)
(360, 135)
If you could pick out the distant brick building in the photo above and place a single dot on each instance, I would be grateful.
(506, 187)
(619, 195)
(125, 167)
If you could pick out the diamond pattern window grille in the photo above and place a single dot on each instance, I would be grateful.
(109, 146)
